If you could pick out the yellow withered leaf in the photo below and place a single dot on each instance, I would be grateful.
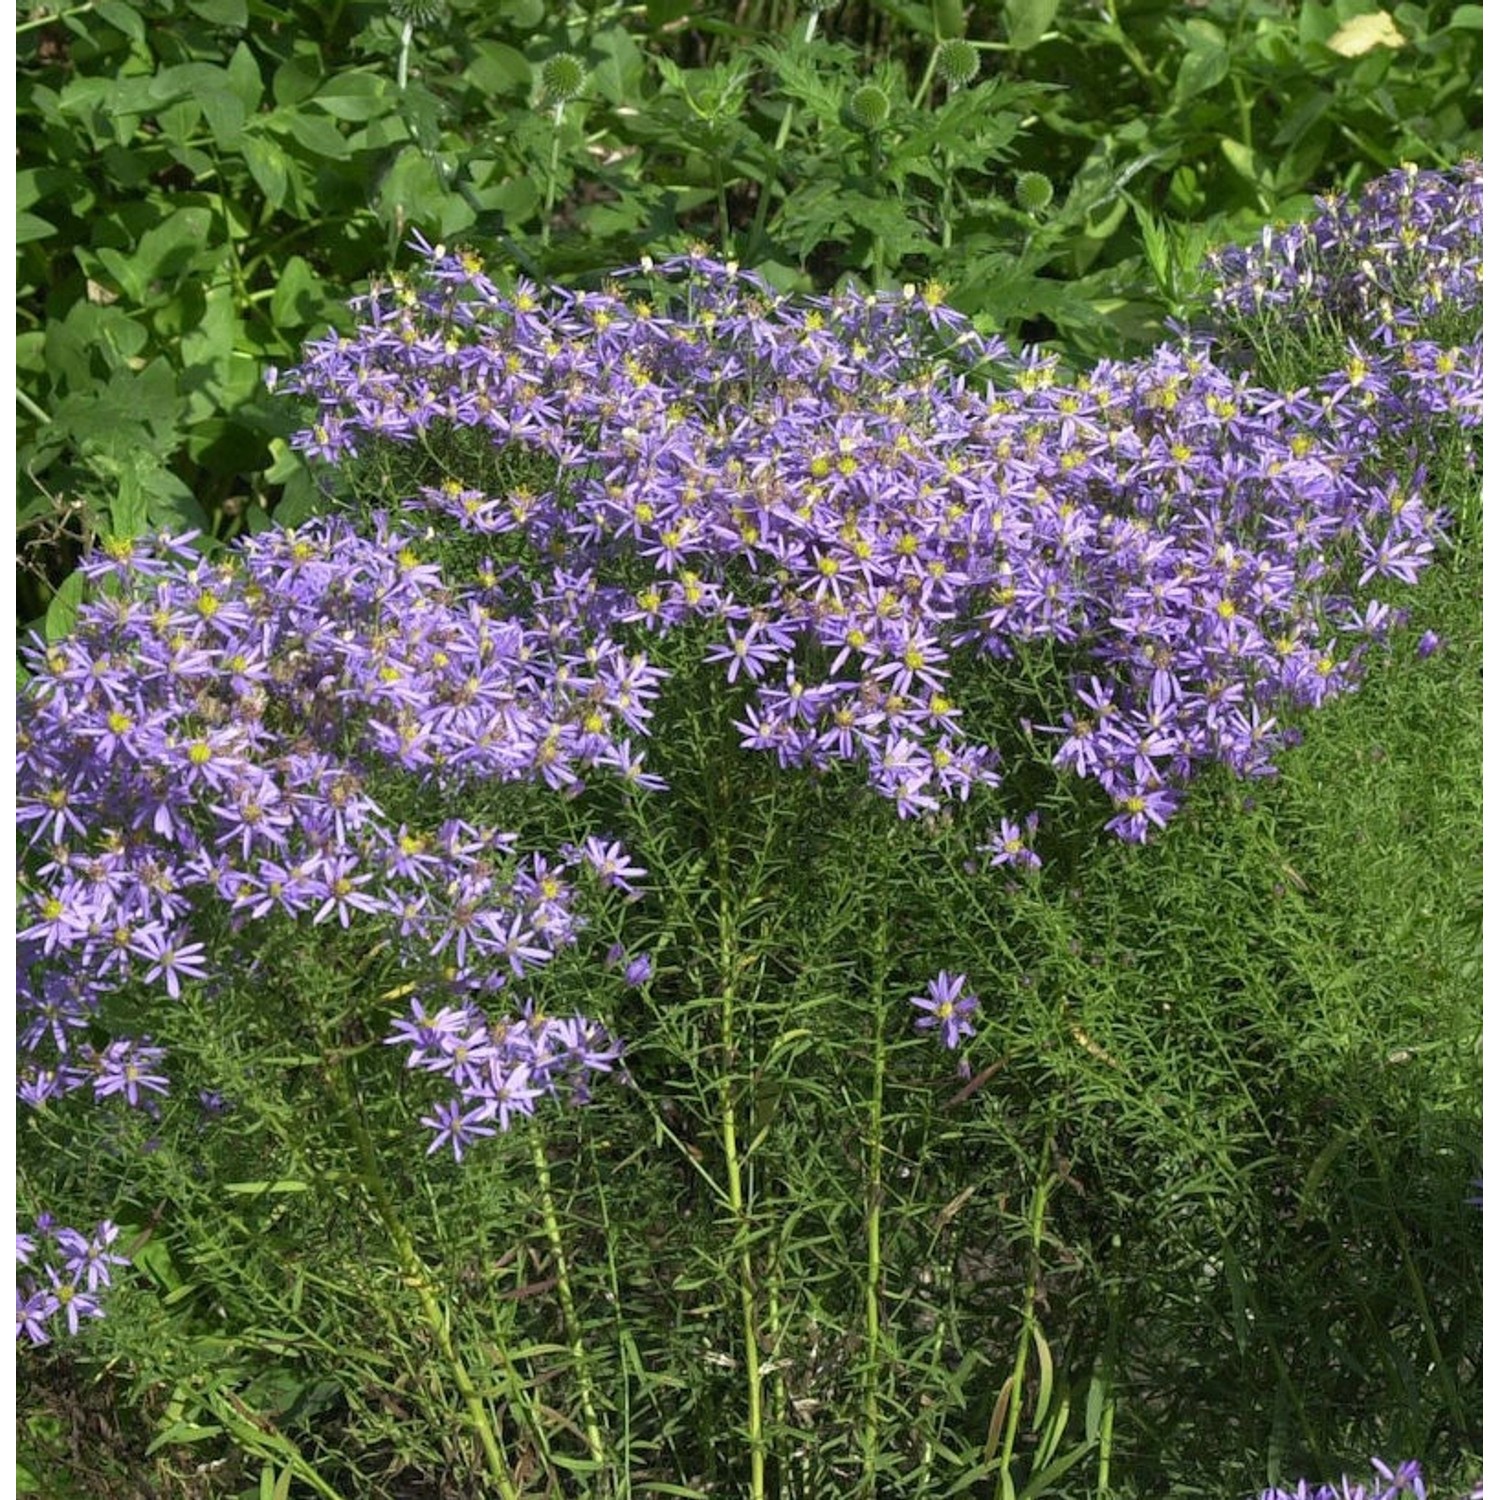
(1364, 34)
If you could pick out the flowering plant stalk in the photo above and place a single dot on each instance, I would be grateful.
(639, 618)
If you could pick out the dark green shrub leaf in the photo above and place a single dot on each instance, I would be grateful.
(522, 15)
(269, 166)
(244, 78)
(356, 96)
(297, 78)
(1026, 21)
(299, 296)
(30, 227)
(498, 70)
(122, 17)
(226, 446)
(62, 612)
(127, 508)
(319, 136)
(231, 13)
(621, 67)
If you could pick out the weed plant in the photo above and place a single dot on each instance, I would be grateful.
(619, 961)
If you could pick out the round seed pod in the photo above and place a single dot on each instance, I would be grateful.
(869, 107)
(563, 78)
(957, 62)
(1033, 191)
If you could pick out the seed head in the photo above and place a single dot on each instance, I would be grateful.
(957, 62)
(869, 107)
(417, 12)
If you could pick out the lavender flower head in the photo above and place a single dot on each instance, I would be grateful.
(947, 1008)
(66, 1274)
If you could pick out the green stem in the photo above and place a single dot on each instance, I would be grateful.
(32, 407)
(873, 1195)
(416, 1276)
(1028, 1321)
(926, 82)
(1133, 53)
(57, 15)
(728, 975)
(406, 34)
(565, 1294)
(723, 197)
(557, 119)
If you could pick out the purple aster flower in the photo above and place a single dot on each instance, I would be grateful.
(171, 960)
(453, 1126)
(1430, 644)
(125, 1067)
(947, 1008)
(34, 1309)
(73, 1301)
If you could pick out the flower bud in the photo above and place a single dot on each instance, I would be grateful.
(869, 107)
(957, 62)
(563, 77)
(1033, 192)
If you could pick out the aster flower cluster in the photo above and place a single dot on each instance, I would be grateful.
(1387, 1484)
(1380, 270)
(869, 506)
(67, 1273)
(216, 735)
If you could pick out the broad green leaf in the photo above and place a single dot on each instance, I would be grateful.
(122, 17)
(516, 199)
(122, 269)
(1467, 18)
(620, 68)
(1201, 70)
(497, 70)
(127, 507)
(1027, 21)
(299, 294)
(522, 15)
(133, 409)
(412, 193)
(356, 96)
(171, 504)
(227, 446)
(318, 135)
(270, 167)
(296, 79)
(62, 612)
(1245, 161)
(174, 246)
(1316, 22)
(30, 227)
(244, 78)
(232, 13)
